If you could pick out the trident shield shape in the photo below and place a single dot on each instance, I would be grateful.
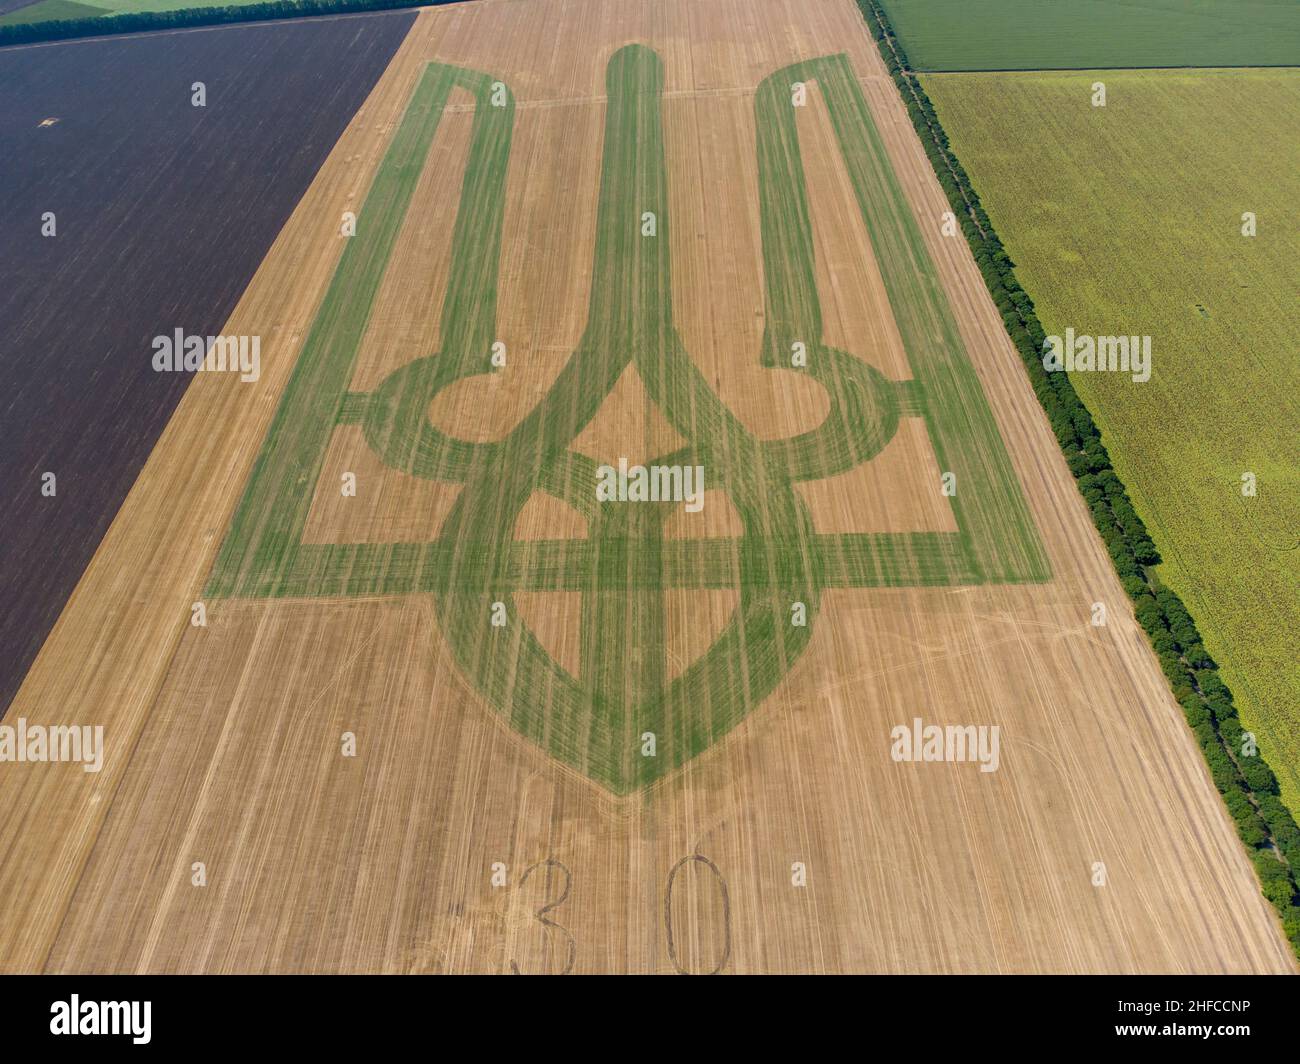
(779, 565)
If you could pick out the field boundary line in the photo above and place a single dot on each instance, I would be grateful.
(1088, 69)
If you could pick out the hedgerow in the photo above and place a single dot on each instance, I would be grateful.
(144, 21)
(1241, 775)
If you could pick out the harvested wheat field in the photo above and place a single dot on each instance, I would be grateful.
(455, 710)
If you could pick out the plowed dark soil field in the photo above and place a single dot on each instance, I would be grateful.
(162, 212)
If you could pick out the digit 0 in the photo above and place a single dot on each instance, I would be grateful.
(726, 914)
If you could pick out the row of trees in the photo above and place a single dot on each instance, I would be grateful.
(1243, 778)
(144, 21)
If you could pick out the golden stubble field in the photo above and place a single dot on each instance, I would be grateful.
(224, 741)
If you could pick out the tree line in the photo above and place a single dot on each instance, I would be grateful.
(1240, 773)
(144, 21)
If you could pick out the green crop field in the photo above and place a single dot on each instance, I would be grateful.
(1127, 219)
(1079, 34)
(50, 11)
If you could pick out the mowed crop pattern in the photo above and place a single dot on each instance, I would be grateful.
(621, 561)
(1136, 228)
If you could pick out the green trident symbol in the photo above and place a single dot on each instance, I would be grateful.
(594, 721)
